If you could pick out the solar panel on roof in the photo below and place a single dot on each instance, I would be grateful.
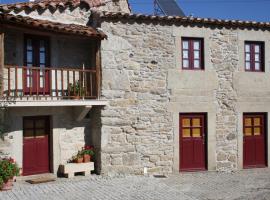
(168, 7)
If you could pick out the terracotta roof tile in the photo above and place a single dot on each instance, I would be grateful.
(44, 4)
(186, 20)
(74, 29)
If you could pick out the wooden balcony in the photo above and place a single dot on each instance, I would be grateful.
(37, 83)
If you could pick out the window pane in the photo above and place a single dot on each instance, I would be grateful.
(248, 131)
(185, 54)
(186, 123)
(28, 133)
(248, 65)
(257, 131)
(40, 132)
(42, 58)
(40, 123)
(257, 57)
(247, 48)
(196, 122)
(247, 56)
(186, 63)
(185, 45)
(29, 56)
(257, 66)
(186, 133)
(196, 45)
(197, 64)
(196, 132)
(248, 122)
(28, 124)
(29, 45)
(257, 48)
(42, 45)
(197, 54)
(257, 121)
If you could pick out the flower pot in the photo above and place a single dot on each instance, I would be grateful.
(8, 185)
(79, 160)
(86, 158)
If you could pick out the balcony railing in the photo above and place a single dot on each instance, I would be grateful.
(59, 83)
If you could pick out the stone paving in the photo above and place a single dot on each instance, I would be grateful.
(247, 185)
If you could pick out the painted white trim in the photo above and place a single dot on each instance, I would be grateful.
(63, 103)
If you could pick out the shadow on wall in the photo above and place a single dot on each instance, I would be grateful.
(64, 118)
(94, 139)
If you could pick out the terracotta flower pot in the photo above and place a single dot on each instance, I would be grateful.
(86, 158)
(79, 160)
(8, 185)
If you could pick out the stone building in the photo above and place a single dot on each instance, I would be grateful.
(168, 93)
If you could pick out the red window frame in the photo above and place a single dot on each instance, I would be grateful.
(191, 53)
(252, 53)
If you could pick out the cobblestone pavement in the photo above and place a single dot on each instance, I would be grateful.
(247, 185)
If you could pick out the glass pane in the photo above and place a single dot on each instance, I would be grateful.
(29, 45)
(196, 132)
(186, 133)
(185, 54)
(257, 131)
(247, 56)
(186, 123)
(248, 122)
(257, 66)
(248, 65)
(28, 124)
(42, 58)
(257, 57)
(196, 122)
(257, 48)
(257, 121)
(186, 63)
(197, 64)
(40, 123)
(29, 56)
(28, 133)
(40, 132)
(29, 65)
(247, 48)
(185, 45)
(196, 45)
(248, 131)
(42, 45)
(197, 54)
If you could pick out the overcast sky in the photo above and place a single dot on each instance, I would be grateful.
(257, 10)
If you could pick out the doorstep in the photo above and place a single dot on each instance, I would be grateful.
(37, 176)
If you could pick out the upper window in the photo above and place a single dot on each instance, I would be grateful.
(254, 56)
(192, 54)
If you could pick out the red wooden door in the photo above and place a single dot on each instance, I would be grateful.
(254, 141)
(36, 145)
(37, 79)
(192, 142)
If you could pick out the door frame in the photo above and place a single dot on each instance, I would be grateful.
(265, 115)
(50, 140)
(205, 117)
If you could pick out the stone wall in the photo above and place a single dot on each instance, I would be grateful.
(136, 126)
(224, 56)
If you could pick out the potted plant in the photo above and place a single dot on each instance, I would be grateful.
(8, 170)
(79, 158)
(87, 152)
(76, 90)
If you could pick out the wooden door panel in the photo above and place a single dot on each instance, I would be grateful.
(192, 142)
(187, 149)
(36, 145)
(254, 154)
